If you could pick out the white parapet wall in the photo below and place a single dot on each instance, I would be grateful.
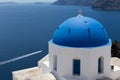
(45, 67)
(36, 73)
(115, 74)
(25, 74)
(46, 58)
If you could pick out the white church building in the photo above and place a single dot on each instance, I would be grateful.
(79, 50)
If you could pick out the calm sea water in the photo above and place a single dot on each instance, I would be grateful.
(25, 28)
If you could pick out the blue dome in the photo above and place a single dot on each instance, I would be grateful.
(80, 32)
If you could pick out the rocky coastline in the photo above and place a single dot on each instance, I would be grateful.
(107, 4)
(74, 2)
(96, 4)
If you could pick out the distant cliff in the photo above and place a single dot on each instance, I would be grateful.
(8, 2)
(74, 2)
(107, 4)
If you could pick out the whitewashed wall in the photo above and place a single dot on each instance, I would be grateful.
(89, 60)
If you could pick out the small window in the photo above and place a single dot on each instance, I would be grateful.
(100, 65)
(76, 67)
(55, 63)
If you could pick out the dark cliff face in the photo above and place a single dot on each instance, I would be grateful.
(74, 2)
(107, 4)
(116, 49)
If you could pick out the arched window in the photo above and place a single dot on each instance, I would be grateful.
(100, 65)
(55, 62)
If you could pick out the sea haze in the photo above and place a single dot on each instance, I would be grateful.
(26, 28)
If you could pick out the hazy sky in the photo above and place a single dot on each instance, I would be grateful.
(27, 0)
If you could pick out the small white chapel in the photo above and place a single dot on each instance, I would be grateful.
(79, 50)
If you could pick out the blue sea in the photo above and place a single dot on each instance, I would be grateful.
(26, 28)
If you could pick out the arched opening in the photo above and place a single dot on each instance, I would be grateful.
(76, 66)
(100, 65)
(55, 62)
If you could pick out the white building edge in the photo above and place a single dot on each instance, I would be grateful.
(80, 50)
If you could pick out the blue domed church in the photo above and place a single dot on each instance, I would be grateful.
(79, 50)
